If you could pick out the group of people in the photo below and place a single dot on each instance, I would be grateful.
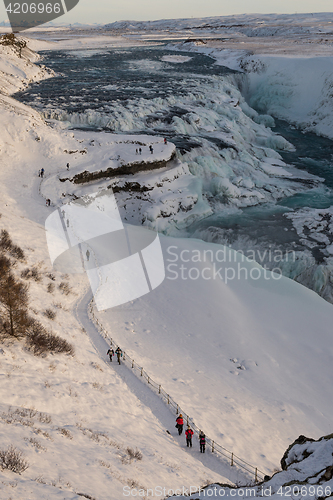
(139, 151)
(118, 352)
(179, 420)
(41, 173)
(189, 433)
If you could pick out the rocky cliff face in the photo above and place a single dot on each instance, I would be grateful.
(307, 470)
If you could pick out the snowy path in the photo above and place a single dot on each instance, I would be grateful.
(150, 399)
(147, 397)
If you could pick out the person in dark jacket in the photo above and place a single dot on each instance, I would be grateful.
(179, 424)
(110, 353)
(119, 353)
(202, 441)
(189, 433)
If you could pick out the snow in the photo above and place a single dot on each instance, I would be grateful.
(176, 59)
(15, 73)
(287, 61)
(244, 356)
(83, 395)
(235, 313)
(125, 151)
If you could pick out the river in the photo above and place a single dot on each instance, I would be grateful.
(150, 90)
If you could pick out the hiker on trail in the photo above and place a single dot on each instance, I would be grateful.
(140, 151)
(202, 441)
(48, 202)
(110, 353)
(42, 173)
(67, 166)
(165, 140)
(87, 254)
(136, 151)
(179, 424)
(38, 173)
(189, 433)
(119, 353)
(67, 223)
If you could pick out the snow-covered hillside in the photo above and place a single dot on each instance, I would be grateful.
(247, 24)
(244, 355)
(17, 69)
(258, 343)
(80, 427)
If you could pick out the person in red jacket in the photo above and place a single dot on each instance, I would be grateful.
(189, 434)
(179, 424)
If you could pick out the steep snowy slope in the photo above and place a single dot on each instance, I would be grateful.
(80, 428)
(74, 419)
(17, 70)
(241, 350)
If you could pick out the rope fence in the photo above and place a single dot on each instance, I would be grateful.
(214, 447)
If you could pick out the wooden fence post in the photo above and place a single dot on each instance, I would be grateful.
(187, 419)
(168, 399)
(141, 372)
(232, 459)
(148, 379)
(256, 475)
(159, 389)
(212, 446)
(132, 363)
(177, 410)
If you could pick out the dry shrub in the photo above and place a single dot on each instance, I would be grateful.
(7, 245)
(65, 432)
(25, 416)
(49, 314)
(5, 241)
(44, 418)
(40, 341)
(12, 459)
(65, 288)
(31, 274)
(50, 288)
(17, 252)
(35, 443)
(133, 455)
